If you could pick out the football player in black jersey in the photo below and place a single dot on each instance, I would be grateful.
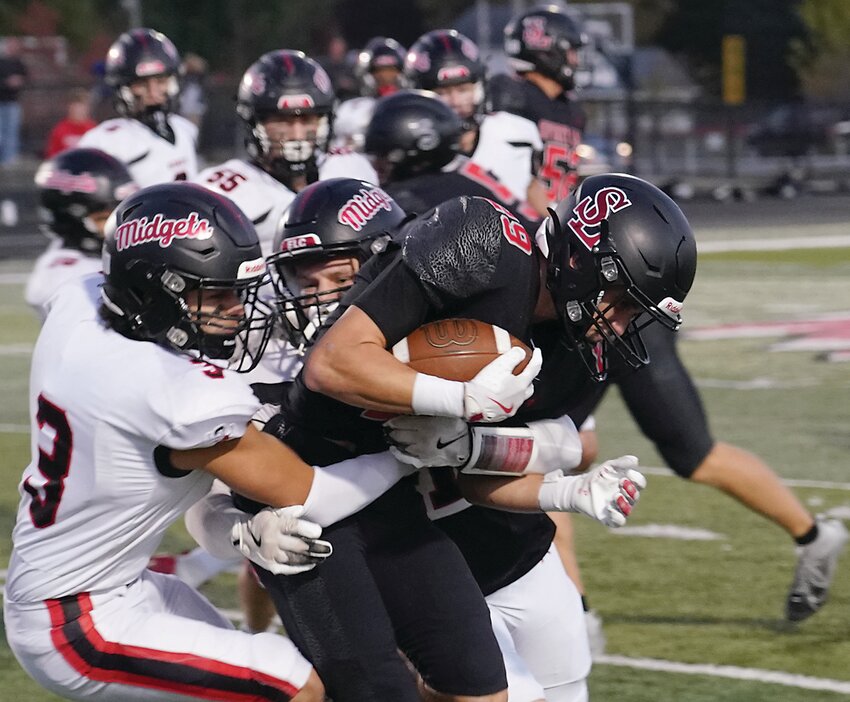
(413, 141)
(542, 45)
(389, 555)
(674, 420)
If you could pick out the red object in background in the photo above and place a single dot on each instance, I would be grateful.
(65, 135)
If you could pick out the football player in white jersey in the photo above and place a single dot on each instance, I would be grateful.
(78, 189)
(285, 101)
(331, 228)
(449, 63)
(154, 143)
(121, 447)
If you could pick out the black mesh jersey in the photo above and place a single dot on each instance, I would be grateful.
(436, 274)
(560, 122)
(422, 192)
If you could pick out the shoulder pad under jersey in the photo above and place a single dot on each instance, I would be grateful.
(456, 246)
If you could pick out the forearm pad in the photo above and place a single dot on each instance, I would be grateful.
(540, 447)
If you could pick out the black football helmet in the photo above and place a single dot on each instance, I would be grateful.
(75, 184)
(136, 55)
(542, 39)
(445, 57)
(620, 233)
(412, 132)
(285, 83)
(331, 218)
(380, 53)
(177, 238)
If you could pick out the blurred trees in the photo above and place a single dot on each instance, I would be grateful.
(792, 45)
(822, 58)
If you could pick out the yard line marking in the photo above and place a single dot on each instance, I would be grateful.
(14, 428)
(815, 242)
(16, 349)
(13, 278)
(791, 482)
(733, 672)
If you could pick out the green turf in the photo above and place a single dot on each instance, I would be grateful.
(710, 602)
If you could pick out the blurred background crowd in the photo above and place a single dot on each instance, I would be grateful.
(724, 98)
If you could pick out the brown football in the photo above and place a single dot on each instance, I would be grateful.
(456, 349)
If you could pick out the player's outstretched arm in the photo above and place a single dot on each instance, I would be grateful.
(263, 469)
(607, 493)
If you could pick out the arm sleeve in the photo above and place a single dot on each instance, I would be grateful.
(210, 520)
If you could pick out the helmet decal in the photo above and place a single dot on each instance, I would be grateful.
(322, 80)
(458, 73)
(591, 210)
(363, 206)
(534, 33)
(141, 231)
(295, 102)
(66, 182)
(150, 68)
(302, 241)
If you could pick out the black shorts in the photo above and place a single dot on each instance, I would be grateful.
(394, 581)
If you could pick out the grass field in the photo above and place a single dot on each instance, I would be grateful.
(704, 604)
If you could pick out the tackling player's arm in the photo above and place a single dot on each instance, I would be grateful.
(260, 467)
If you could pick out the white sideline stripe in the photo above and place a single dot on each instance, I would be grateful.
(727, 671)
(13, 278)
(815, 242)
(16, 349)
(708, 669)
(792, 482)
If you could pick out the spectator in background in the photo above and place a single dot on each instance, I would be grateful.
(13, 76)
(67, 132)
(193, 99)
(339, 68)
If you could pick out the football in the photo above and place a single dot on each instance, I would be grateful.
(456, 349)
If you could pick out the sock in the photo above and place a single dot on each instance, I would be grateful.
(809, 536)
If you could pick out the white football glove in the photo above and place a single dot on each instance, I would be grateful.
(278, 541)
(607, 493)
(429, 442)
(496, 393)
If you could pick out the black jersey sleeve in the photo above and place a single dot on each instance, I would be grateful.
(396, 301)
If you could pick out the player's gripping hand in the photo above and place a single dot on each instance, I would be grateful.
(496, 393)
(607, 493)
(279, 541)
(429, 442)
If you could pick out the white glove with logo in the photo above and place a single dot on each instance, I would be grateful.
(278, 541)
(429, 442)
(496, 393)
(607, 493)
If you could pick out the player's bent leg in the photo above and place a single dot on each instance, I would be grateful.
(152, 640)
(543, 614)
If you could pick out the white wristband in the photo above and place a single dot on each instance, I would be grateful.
(556, 492)
(437, 397)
